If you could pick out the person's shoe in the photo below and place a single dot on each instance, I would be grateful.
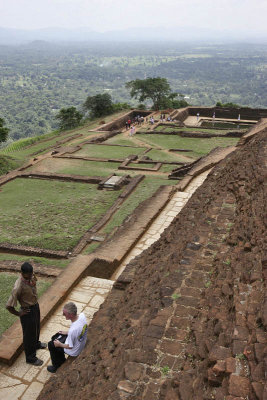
(51, 369)
(41, 345)
(36, 363)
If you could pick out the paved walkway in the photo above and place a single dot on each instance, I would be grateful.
(22, 381)
(192, 120)
(173, 208)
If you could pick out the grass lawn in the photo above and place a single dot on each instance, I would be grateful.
(75, 167)
(199, 147)
(141, 165)
(168, 167)
(50, 214)
(23, 153)
(159, 155)
(40, 260)
(102, 151)
(119, 139)
(7, 281)
(146, 188)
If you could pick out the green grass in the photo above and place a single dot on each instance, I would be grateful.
(22, 152)
(7, 281)
(91, 247)
(146, 188)
(141, 165)
(159, 155)
(102, 151)
(168, 167)
(50, 214)
(7, 164)
(199, 147)
(76, 167)
(40, 260)
(119, 139)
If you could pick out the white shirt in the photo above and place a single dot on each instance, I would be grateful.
(76, 338)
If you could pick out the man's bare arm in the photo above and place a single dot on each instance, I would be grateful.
(13, 311)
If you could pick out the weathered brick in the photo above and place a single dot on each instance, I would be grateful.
(258, 389)
(133, 371)
(239, 386)
(230, 365)
(241, 333)
(171, 347)
(155, 331)
(181, 323)
(219, 353)
(127, 386)
(177, 334)
(188, 301)
(239, 346)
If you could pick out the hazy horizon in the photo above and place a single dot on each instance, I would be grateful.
(223, 16)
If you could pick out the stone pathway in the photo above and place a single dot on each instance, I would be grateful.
(173, 208)
(22, 381)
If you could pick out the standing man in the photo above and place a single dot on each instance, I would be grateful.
(25, 293)
(74, 341)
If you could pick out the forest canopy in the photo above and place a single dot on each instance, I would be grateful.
(36, 83)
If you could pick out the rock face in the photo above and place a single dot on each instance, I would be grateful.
(192, 322)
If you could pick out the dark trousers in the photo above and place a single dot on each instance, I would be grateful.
(30, 323)
(57, 354)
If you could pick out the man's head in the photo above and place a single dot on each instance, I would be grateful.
(26, 271)
(70, 311)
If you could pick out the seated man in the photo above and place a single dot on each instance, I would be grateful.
(75, 338)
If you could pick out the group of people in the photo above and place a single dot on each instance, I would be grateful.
(163, 118)
(138, 120)
(63, 343)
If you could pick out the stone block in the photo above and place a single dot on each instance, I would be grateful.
(133, 371)
(239, 386)
(238, 346)
(33, 391)
(230, 365)
(127, 386)
(258, 389)
(155, 331)
(171, 347)
(219, 353)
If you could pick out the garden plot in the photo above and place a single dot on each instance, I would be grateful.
(50, 214)
(198, 147)
(74, 166)
(105, 151)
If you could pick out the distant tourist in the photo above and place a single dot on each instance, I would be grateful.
(132, 130)
(24, 292)
(197, 116)
(69, 342)
(213, 115)
(238, 118)
(152, 121)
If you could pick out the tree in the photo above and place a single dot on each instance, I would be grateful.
(3, 131)
(156, 89)
(227, 105)
(69, 118)
(99, 105)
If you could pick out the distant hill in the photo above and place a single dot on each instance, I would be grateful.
(19, 36)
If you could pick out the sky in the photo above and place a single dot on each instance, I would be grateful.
(105, 15)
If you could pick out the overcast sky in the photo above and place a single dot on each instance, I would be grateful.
(104, 15)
